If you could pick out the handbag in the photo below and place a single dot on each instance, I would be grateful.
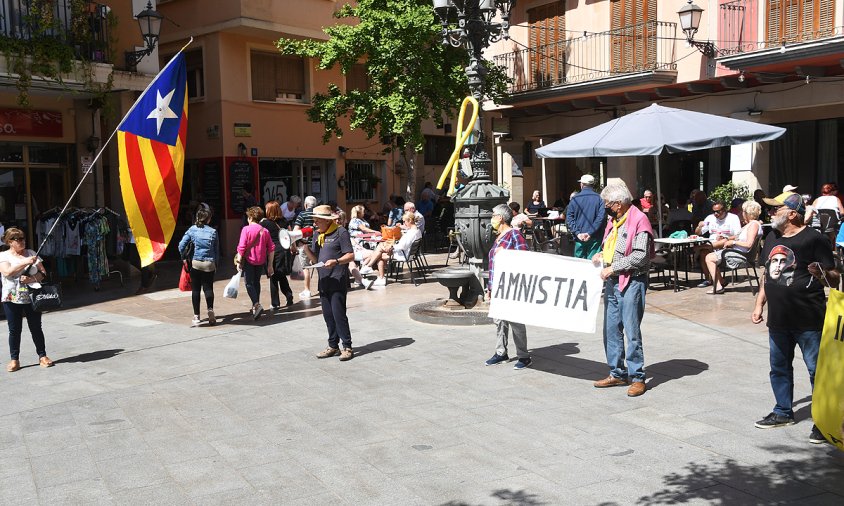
(46, 298)
(184, 278)
(388, 233)
(188, 254)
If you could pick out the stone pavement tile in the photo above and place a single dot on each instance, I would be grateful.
(166, 493)
(448, 486)
(46, 418)
(50, 441)
(206, 476)
(14, 462)
(380, 412)
(285, 479)
(356, 431)
(668, 424)
(89, 491)
(132, 471)
(365, 484)
(18, 488)
(116, 444)
(219, 426)
(249, 450)
(150, 412)
(172, 446)
(102, 421)
(398, 457)
(63, 467)
(480, 463)
(250, 406)
(238, 496)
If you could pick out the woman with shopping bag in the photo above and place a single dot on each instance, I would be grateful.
(203, 240)
(274, 222)
(254, 251)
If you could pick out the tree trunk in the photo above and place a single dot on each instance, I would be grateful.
(409, 156)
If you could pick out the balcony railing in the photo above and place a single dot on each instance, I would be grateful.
(86, 32)
(642, 47)
(738, 30)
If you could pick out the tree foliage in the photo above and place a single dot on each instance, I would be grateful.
(412, 75)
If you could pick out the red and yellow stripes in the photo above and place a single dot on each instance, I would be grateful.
(151, 175)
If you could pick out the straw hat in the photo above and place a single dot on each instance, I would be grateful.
(325, 212)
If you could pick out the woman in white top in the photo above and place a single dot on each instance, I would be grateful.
(21, 267)
(288, 209)
(400, 250)
(827, 200)
(741, 243)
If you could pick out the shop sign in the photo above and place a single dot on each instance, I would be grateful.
(243, 129)
(241, 171)
(30, 123)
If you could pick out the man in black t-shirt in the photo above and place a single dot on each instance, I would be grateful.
(798, 264)
(332, 247)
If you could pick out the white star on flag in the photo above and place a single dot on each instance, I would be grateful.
(162, 109)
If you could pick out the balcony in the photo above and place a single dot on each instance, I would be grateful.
(83, 27)
(635, 49)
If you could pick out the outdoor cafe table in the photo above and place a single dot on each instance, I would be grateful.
(679, 247)
(547, 226)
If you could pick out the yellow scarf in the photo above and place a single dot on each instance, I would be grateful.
(612, 239)
(321, 238)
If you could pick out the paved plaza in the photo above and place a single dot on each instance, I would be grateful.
(142, 409)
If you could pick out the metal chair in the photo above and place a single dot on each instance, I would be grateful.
(748, 260)
(415, 263)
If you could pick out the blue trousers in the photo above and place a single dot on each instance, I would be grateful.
(14, 316)
(782, 344)
(623, 312)
(334, 313)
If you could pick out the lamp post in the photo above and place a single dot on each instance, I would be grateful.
(690, 21)
(469, 23)
(149, 21)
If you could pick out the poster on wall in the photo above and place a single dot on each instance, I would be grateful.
(241, 172)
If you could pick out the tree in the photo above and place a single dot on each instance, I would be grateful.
(412, 75)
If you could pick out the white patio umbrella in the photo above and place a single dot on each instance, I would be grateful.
(653, 129)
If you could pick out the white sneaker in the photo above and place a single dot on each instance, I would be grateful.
(355, 284)
(195, 321)
(365, 270)
(305, 294)
(211, 318)
(367, 283)
(380, 282)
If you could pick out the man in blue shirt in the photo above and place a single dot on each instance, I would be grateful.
(585, 218)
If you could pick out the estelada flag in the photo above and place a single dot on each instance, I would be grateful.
(151, 144)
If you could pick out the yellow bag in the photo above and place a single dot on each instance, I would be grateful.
(828, 396)
(388, 233)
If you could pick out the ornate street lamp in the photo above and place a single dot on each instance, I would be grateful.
(149, 20)
(469, 23)
(690, 21)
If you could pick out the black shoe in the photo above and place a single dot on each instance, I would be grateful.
(816, 437)
(773, 421)
(522, 363)
(497, 359)
(289, 302)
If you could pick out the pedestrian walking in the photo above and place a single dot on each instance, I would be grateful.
(798, 264)
(626, 258)
(305, 219)
(254, 251)
(586, 218)
(510, 238)
(21, 267)
(275, 222)
(204, 243)
(333, 249)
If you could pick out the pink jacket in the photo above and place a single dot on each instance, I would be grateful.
(637, 222)
(263, 246)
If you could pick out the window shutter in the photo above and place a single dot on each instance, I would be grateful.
(774, 22)
(547, 35)
(826, 18)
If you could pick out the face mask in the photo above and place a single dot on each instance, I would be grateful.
(495, 224)
(610, 212)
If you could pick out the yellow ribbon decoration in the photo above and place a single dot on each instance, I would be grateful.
(459, 141)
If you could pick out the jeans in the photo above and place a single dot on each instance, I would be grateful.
(782, 355)
(519, 338)
(204, 281)
(279, 283)
(334, 313)
(252, 277)
(14, 316)
(623, 314)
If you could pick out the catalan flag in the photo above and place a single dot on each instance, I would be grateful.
(151, 145)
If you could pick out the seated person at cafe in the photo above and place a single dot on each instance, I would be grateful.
(725, 255)
(536, 203)
(387, 250)
(520, 220)
(357, 225)
(720, 225)
(394, 218)
(410, 207)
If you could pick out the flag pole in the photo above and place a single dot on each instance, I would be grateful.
(100, 152)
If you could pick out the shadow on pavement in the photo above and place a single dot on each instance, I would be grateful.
(506, 496)
(91, 356)
(269, 317)
(675, 368)
(387, 344)
(558, 359)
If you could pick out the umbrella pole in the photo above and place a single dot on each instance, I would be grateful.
(658, 197)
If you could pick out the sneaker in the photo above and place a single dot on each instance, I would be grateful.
(305, 294)
(367, 283)
(212, 319)
(257, 310)
(816, 437)
(195, 321)
(355, 285)
(328, 352)
(704, 284)
(365, 270)
(773, 421)
(289, 301)
(497, 359)
(346, 354)
(380, 282)
(522, 363)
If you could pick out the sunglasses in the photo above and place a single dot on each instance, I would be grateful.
(18, 239)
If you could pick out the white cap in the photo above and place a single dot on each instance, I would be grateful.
(587, 179)
(788, 188)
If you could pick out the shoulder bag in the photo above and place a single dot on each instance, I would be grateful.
(46, 298)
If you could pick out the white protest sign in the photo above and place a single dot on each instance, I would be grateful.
(545, 290)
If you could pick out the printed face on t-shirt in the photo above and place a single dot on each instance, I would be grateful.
(780, 266)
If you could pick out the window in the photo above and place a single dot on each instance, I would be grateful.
(438, 149)
(547, 39)
(634, 34)
(360, 180)
(357, 78)
(196, 78)
(799, 20)
(277, 78)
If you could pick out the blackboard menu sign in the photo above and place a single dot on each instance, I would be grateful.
(241, 172)
(211, 182)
